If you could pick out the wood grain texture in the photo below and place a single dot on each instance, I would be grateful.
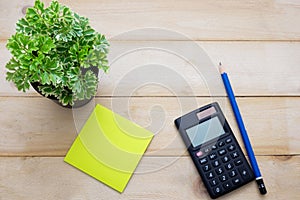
(157, 74)
(199, 20)
(51, 178)
(39, 127)
(185, 68)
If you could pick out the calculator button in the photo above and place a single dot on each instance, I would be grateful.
(229, 166)
(199, 154)
(216, 163)
(232, 173)
(213, 147)
(219, 170)
(231, 147)
(203, 161)
(234, 155)
(217, 190)
(210, 175)
(214, 182)
(212, 156)
(227, 185)
(221, 143)
(222, 152)
(238, 162)
(236, 181)
(223, 178)
(225, 159)
(244, 173)
(206, 150)
(228, 140)
(206, 168)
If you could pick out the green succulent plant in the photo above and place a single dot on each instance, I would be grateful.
(52, 47)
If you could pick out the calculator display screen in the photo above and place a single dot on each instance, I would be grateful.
(205, 131)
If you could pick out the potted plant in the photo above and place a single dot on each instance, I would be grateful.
(57, 52)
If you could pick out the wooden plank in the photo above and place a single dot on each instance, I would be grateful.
(186, 69)
(39, 127)
(49, 178)
(199, 20)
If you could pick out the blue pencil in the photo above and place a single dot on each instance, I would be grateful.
(239, 120)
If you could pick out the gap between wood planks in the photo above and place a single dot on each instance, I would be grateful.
(36, 96)
(283, 156)
(4, 40)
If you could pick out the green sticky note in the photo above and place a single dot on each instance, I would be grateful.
(109, 148)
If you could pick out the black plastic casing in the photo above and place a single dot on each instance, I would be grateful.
(189, 120)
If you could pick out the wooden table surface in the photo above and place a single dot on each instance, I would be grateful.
(257, 41)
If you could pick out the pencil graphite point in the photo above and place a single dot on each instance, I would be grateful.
(221, 68)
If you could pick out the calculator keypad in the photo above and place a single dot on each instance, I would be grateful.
(222, 164)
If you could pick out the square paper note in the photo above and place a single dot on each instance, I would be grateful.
(109, 148)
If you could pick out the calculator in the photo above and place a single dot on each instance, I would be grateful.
(214, 150)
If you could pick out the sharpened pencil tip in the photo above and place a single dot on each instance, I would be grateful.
(221, 68)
